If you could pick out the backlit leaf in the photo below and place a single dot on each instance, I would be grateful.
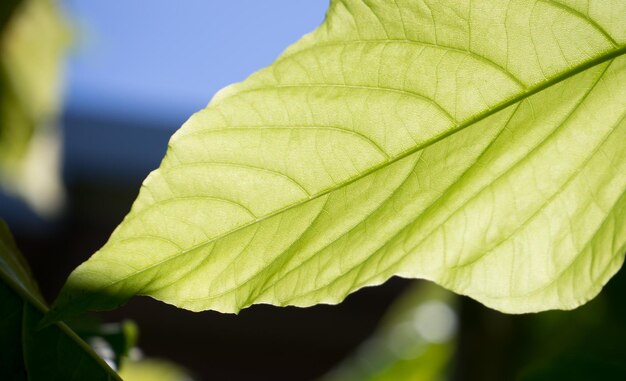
(476, 144)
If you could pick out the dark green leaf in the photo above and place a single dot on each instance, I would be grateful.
(54, 353)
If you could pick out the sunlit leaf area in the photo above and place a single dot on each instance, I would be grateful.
(331, 190)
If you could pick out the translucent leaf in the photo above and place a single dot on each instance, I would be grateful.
(476, 144)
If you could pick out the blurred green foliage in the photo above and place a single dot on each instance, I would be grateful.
(33, 42)
(152, 370)
(415, 340)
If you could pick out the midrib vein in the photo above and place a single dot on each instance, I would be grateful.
(469, 122)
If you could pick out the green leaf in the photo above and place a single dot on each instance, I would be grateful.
(479, 145)
(28, 353)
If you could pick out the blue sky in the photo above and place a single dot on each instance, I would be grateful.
(165, 59)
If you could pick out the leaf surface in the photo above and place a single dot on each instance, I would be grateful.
(29, 353)
(476, 144)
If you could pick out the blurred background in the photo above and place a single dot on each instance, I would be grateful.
(90, 92)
